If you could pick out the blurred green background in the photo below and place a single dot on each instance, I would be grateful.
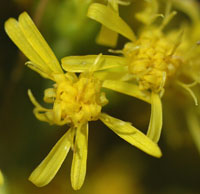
(114, 166)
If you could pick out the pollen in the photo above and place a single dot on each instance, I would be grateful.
(152, 60)
(75, 100)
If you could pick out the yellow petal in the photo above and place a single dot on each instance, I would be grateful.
(44, 116)
(110, 19)
(127, 88)
(132, 135)
(57, 111)
(37, 41)
(84, 63)
(150, 12)
(106, 36)
(155, 125)
(41, 113)
(48, 168)
(79, 162)
(111, 74)
(187, 87)
(34, 101)
(16, 35)
(1, 178)
(29, 40)
(49, 95)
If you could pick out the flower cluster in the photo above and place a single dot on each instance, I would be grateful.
(153, 61)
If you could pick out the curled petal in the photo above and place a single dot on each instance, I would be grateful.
(79, 162)
(187, 87)
(41, 113)
(46, 116)
(35, 103)
(110, 19)
(150, 12)
(48, 168)
(132, 135)
(189, 7)
(155, 125)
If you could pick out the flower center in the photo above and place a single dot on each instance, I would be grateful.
(152, 60)
(77, 101)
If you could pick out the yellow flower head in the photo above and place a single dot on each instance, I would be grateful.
(151, 57)
(151, 60)
(75, 100)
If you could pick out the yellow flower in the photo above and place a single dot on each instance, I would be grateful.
(152, 61)
(75, 100)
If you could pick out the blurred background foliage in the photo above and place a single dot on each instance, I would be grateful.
(113, 165)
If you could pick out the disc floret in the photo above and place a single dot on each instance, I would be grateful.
(151, 60)
(76, 101)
